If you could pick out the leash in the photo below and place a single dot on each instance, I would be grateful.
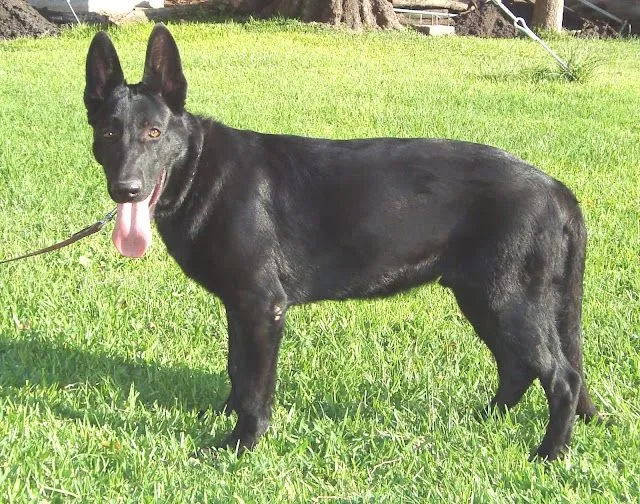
(520, 25)
(83, 233)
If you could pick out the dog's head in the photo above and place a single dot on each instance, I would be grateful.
(138, 130)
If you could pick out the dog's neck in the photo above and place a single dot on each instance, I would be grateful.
(181, 174)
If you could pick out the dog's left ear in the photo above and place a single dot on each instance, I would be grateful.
(163, 69)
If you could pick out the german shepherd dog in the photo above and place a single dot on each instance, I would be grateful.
(265, 222)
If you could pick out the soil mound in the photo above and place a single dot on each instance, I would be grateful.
(596, 30)
(19, 19)
(487, 20)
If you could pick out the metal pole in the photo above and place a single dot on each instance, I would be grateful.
(72, 11)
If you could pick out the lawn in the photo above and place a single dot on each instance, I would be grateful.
(106, 362)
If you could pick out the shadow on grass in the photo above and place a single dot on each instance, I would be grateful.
(34, 362)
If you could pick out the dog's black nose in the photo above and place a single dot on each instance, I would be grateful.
(124, 191)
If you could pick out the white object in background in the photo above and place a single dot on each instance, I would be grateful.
(97, 6)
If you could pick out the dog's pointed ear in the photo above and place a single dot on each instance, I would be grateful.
(104, 72)
(163, 69)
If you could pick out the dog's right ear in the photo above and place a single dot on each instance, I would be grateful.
(104, 72)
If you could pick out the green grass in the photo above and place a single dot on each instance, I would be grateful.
(579, 68)
(105, 362)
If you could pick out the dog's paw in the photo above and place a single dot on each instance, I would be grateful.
(229, 405)
(548, 453)
(238, 444)
(598, 419)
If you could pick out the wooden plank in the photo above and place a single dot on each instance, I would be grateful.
(454, 5)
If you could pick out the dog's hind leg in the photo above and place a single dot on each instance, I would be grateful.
(528, 328)
(513, 308)
(515, 378)
(569, 307)
(525, 301)
(514, 375)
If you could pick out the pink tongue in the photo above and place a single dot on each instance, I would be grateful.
(132, 232)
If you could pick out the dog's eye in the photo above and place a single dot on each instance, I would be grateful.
(153, 133)
(108, 134)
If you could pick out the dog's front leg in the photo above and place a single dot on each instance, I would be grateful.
(255, 331)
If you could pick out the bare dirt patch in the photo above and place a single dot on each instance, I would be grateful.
(19, 19)
(487, 20)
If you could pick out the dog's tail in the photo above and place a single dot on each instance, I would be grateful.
(569, 310)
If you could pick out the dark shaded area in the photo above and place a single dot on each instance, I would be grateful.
(66, 17)
(38, 362)
(19, 19)
(590, 29)
(178, 11)
(489, 21)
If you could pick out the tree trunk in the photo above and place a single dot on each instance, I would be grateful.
(547, 14)
(354, 14)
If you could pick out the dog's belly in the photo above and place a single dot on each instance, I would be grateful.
(361, 270)
(381, 282)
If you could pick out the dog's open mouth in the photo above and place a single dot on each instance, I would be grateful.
(132, 232)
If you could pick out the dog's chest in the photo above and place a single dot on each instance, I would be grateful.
(197, 258)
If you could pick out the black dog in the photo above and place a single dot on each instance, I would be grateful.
(269, 221)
